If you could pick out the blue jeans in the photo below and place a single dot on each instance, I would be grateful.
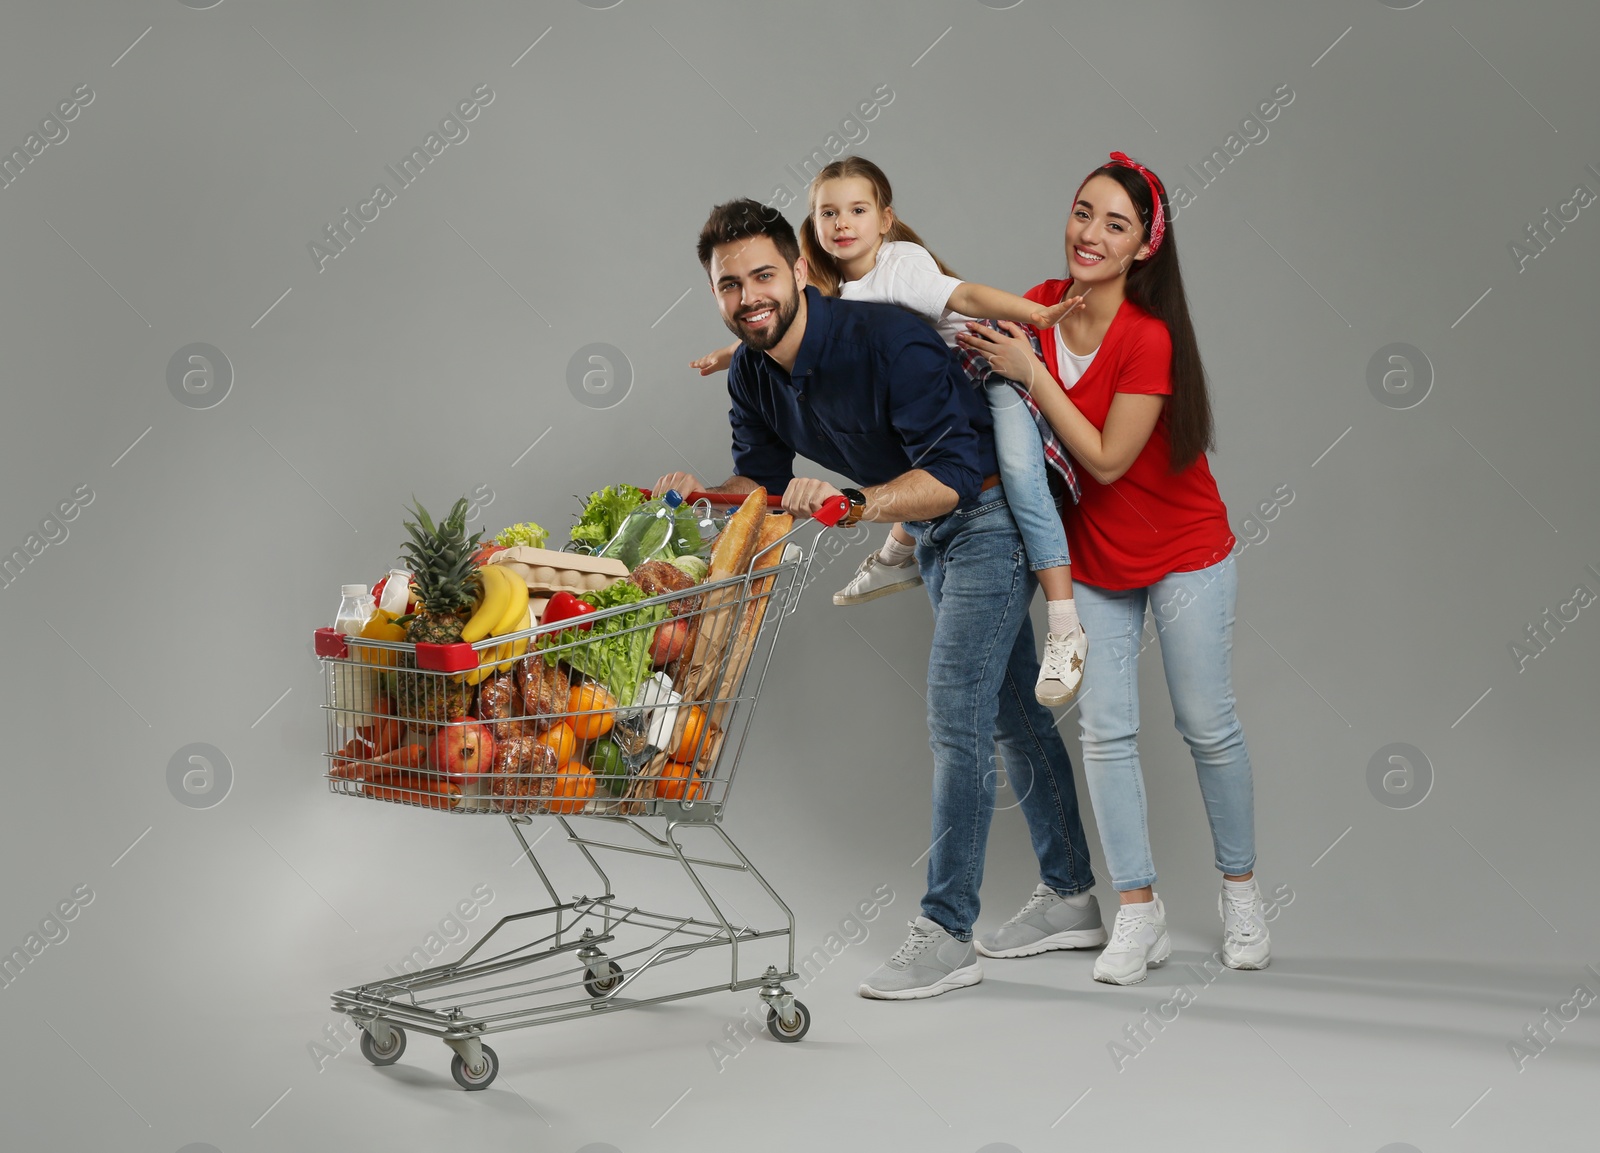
(981, 674)
(1025, 474)
(1194, 620)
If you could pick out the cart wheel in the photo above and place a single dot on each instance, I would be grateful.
(379, 1056)
(608, 978)
(793, 1031)
(475, 1080)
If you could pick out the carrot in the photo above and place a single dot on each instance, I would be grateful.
(390, 775)
(356, 762)
(344, 761)
(385, 735)
(405, 757)
(417, 790)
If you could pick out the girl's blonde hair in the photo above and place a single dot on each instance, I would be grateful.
(823, 270)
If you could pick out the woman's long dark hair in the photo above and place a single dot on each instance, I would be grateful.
(1156, 285)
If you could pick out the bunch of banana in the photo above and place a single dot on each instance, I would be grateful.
(504, 609)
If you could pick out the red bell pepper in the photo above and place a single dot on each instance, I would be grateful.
(564, 605)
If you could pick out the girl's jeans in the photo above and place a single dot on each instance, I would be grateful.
(1024, 473)
(981, 673)
(1194, 620)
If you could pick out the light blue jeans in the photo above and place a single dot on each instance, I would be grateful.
(1194, 620)
(1024, 473)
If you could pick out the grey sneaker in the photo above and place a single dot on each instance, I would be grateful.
(875, 579)
(929, 963)
(1045, 922)
(1139, 941)
(1245, 941)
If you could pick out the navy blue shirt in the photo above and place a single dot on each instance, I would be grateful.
(874, 393)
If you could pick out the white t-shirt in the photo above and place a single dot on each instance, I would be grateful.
(906, 274)
(1071, 365)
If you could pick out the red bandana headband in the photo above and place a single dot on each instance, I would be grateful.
(1158, 219)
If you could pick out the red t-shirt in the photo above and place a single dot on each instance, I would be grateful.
(1151, 521)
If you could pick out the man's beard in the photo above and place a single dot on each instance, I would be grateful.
(774, 334)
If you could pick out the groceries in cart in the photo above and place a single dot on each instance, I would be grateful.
(504, 677)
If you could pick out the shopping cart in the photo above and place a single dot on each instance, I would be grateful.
(537, 717)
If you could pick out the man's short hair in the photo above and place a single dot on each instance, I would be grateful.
(742, 219)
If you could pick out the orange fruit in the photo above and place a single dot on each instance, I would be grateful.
(593, 700)
(574, 786)
(694, 725)
(561, 740)
(678, 782)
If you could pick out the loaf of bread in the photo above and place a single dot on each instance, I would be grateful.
(499, 704)
(739, 537)
(767, 555)
(524, 775)
(658, 578)
(544, 691)
(709, 666)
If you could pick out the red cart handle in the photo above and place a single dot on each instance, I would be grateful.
(829, 514)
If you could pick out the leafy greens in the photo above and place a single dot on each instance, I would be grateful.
(615, 651)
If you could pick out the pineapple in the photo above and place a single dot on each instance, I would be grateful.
(447, 588)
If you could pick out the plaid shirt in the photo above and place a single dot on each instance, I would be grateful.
(1055, 453)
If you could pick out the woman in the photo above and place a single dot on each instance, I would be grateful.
(1120, 381)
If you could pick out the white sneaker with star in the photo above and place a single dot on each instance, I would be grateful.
(1061, 670)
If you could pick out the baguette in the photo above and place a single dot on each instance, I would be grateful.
(774, 528)
(767, 555)
(739, 537)
(735, 546)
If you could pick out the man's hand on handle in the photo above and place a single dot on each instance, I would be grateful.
(805, 496)
(683, 482)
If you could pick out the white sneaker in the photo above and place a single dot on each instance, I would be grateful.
(876, 579)
(1245, 941)
(1138, 942)
(1061, 671)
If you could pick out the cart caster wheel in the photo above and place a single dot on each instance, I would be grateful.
(795, 1030)
(480, 1079)
(602, 982)
(378, 1056)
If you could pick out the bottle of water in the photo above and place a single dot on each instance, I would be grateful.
(650, 531)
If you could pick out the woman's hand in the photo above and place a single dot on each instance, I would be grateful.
(717, 361)
(1009, 353)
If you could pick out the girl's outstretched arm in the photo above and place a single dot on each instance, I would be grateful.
(1106, 453)
(995, 304)
(717, 361)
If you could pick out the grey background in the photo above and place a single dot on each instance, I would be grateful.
(1412, 944)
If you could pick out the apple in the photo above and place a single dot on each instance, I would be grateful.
(670, 639)
(462, 749)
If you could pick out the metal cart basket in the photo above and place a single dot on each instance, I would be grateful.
(528, 723)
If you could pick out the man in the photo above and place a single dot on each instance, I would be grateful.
(871, 392)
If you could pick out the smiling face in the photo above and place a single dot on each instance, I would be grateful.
(1104, 236)
(848, 222)
(758, 293)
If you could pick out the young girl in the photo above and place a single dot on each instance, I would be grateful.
(1121, 382)
(857, 248)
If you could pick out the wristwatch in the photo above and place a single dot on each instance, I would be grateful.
(858, 505)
